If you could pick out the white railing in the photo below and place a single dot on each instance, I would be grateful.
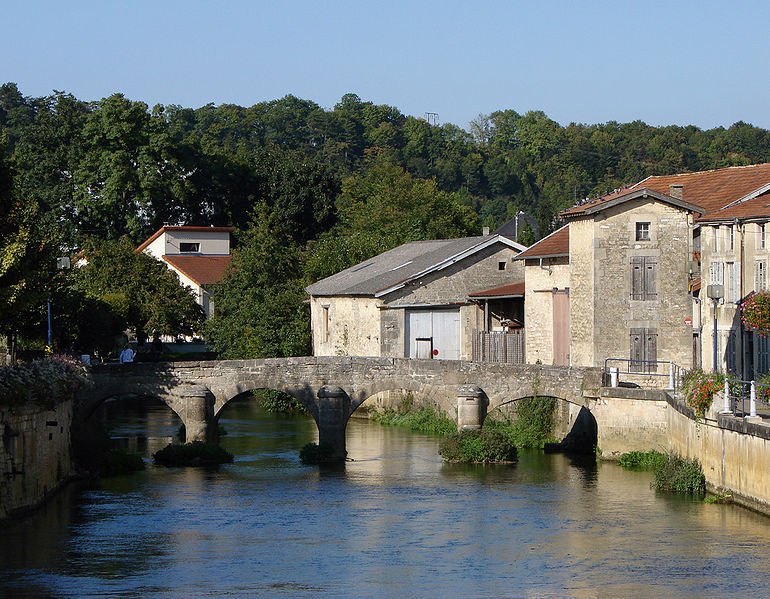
(658, 374)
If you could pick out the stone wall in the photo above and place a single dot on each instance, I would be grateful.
(34, 454)
(540, 280)
(345, 326)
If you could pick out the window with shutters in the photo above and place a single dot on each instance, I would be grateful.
(644, 350)
(643, 277)
(762, 239)
(717, 273)
(732, 290)
(763, 354)
(716, 238)
(732, 352)
(760, 275)
(731, 237)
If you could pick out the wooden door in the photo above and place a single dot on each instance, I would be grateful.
(561, 328)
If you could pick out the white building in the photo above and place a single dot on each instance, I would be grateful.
(198, 255)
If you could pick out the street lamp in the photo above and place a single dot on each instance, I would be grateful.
(715, 293)
(62, 263)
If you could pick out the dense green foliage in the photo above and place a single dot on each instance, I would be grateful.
(533, 423)
(278, 402)
(196, 453)
(313, 453)
(309, 190)
(699, 387)
(642, 460)
(425, 419)
(478, 447)
(680, 475)
(116, 463)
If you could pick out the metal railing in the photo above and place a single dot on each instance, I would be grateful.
(745, 398)
(658, 374)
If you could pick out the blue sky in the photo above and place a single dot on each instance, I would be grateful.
(703, 63)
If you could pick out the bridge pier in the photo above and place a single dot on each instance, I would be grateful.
(472, 405)
(333, 414)
(195, 406)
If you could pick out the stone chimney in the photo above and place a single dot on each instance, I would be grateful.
(676, 191)
(485, 231)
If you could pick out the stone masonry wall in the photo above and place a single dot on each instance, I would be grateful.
(34, 454)
(538, 309)
(353, 326)
(581, 293)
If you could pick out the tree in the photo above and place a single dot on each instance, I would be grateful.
(261, 310)
(134, 291)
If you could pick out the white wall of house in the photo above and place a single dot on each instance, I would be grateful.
(211, 243)
(345, 326)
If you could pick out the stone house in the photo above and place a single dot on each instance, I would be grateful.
(622, 279)
(198, 255)
(415, 300)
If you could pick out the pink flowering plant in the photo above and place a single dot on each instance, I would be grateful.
(45, 382)
(699, 388)
(755, 312)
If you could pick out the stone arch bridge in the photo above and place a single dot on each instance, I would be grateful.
(332, 388)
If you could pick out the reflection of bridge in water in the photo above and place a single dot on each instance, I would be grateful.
(332, 388)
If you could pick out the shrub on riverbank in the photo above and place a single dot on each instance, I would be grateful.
(196, 453)
(680, 475)
(642, 460)
(478, 447)
(313, 453)
(423, 420)
(278, 402)
(46, 381)
(533, 425)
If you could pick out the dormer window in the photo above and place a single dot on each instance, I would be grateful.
(189, 248)
(642, 231)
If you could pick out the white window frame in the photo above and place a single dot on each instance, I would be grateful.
(716, 238)
(732, 287)
(760, 275)
(717, 273)
(762, 237)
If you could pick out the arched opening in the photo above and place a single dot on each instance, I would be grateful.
(265, 425)
(129, 423)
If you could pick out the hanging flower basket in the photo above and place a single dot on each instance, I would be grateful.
(755, 312)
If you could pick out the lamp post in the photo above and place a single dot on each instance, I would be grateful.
(715, 293)
(62, 263)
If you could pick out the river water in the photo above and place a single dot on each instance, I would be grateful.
(394, 522)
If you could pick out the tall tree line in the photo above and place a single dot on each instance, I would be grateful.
(327, 187)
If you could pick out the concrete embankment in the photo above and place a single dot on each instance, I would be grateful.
(734, 452)
(35, 454)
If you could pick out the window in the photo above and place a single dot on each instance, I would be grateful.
(501, 265)
(716, 238)
(732, 291)
(717, 273)
(763, 354)
(643, 272)
(325, 324)
(642, 231)
(760, 275)
(732, 351)
(644, 350)
(189, 247)
(762, 238)
(731, 231)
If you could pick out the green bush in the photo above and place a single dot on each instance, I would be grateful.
(46, 381)
(278, 402)
(642, 460)
(478, 446)
(116, 463)
(423, 420)
(312, 453)
(196, 453)
(533, 424)
(680, 475)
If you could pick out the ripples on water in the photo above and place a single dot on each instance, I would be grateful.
(395, 522)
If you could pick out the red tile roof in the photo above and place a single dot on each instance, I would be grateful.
(190, 228)
(204, 270)
(555, 244)
(758, 207)
(712, 190)
(510, 290)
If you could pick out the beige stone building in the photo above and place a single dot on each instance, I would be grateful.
(415, 300)
(629, 275)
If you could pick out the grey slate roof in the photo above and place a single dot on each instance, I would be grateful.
(392, 267)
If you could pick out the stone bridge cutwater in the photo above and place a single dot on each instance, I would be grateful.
(332, 388)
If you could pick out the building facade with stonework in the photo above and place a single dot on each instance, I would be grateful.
(198, 255)
(415, 300)
(631, 274)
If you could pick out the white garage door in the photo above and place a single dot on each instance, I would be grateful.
(433, 334)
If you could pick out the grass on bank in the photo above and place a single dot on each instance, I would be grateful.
(673, 473)
(483, 446)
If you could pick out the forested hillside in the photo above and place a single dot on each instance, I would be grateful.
(310, 191)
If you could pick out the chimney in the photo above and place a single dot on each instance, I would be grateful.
(676, 191)
(485, 231)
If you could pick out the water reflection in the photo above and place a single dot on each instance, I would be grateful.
(395, 521)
